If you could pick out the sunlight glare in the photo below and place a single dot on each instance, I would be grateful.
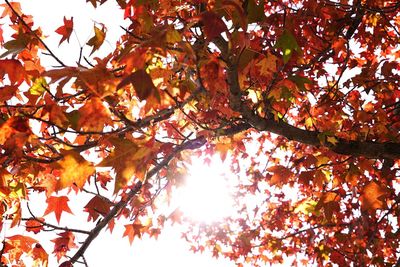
(207, 193)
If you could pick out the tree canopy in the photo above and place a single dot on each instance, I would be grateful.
(301, 95)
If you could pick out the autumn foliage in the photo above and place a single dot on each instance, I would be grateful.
(301, 95)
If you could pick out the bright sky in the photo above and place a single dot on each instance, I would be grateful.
(107, 249)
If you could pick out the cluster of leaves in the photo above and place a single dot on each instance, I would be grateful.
(313, 84)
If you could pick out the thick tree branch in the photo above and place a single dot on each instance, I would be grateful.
(367, 149)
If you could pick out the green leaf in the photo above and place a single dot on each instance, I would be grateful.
(73, 118)
(255, 13)
(300, 82)
(287, 42)
(15, 46)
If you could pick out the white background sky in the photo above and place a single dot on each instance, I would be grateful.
(107, 249)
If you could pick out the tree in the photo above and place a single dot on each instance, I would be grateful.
(313, 84)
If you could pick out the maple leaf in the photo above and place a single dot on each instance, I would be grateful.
(280, 176)
(14, 69)
(34, 225)
(39, 256)
(94, 108)
(373, 196)
(64, 243)
(97, 206)
(58, 205)
(213, 25)
(97, 40)
(287, 42)
(74, 170)
(128, 160)
(141, 82)
(66, 29)
(267, 65)
(7, 92)
(132, 230)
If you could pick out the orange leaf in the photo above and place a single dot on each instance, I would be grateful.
(39, 255)
(132, 230)
(66, 29)
(97, 40)
(373, 196)
(280, 176)
(128, 161)
(34, 226)
(267, 65)
(94, 116)
(75, 170)
(14, 69)
(141, 82)
(57, 205)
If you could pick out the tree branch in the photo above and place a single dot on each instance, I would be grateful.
(190, 144)
(367, 149)
(36, 36)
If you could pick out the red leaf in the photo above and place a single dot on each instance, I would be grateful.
(57, 205)
(66, 29)
(213, 25)
(97, 206)
(63, 244)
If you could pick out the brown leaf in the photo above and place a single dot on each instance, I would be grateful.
(97, 40)
(141, 82)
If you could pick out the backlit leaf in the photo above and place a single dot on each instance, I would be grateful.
(373, 196)
(141, 82)
(58, 205)
(66, 29)
(97, 40)
(74, 170)
(287, 42)
(14, 70)
(280, 175)
(39, 86)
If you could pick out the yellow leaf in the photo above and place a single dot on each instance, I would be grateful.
(267, 65)
(39, 86)
(333, 140)
(97, 40)
(75, 170)
(128, 160)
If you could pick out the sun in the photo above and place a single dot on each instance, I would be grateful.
(207, 194)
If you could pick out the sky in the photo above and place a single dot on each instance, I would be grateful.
(107, 249)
